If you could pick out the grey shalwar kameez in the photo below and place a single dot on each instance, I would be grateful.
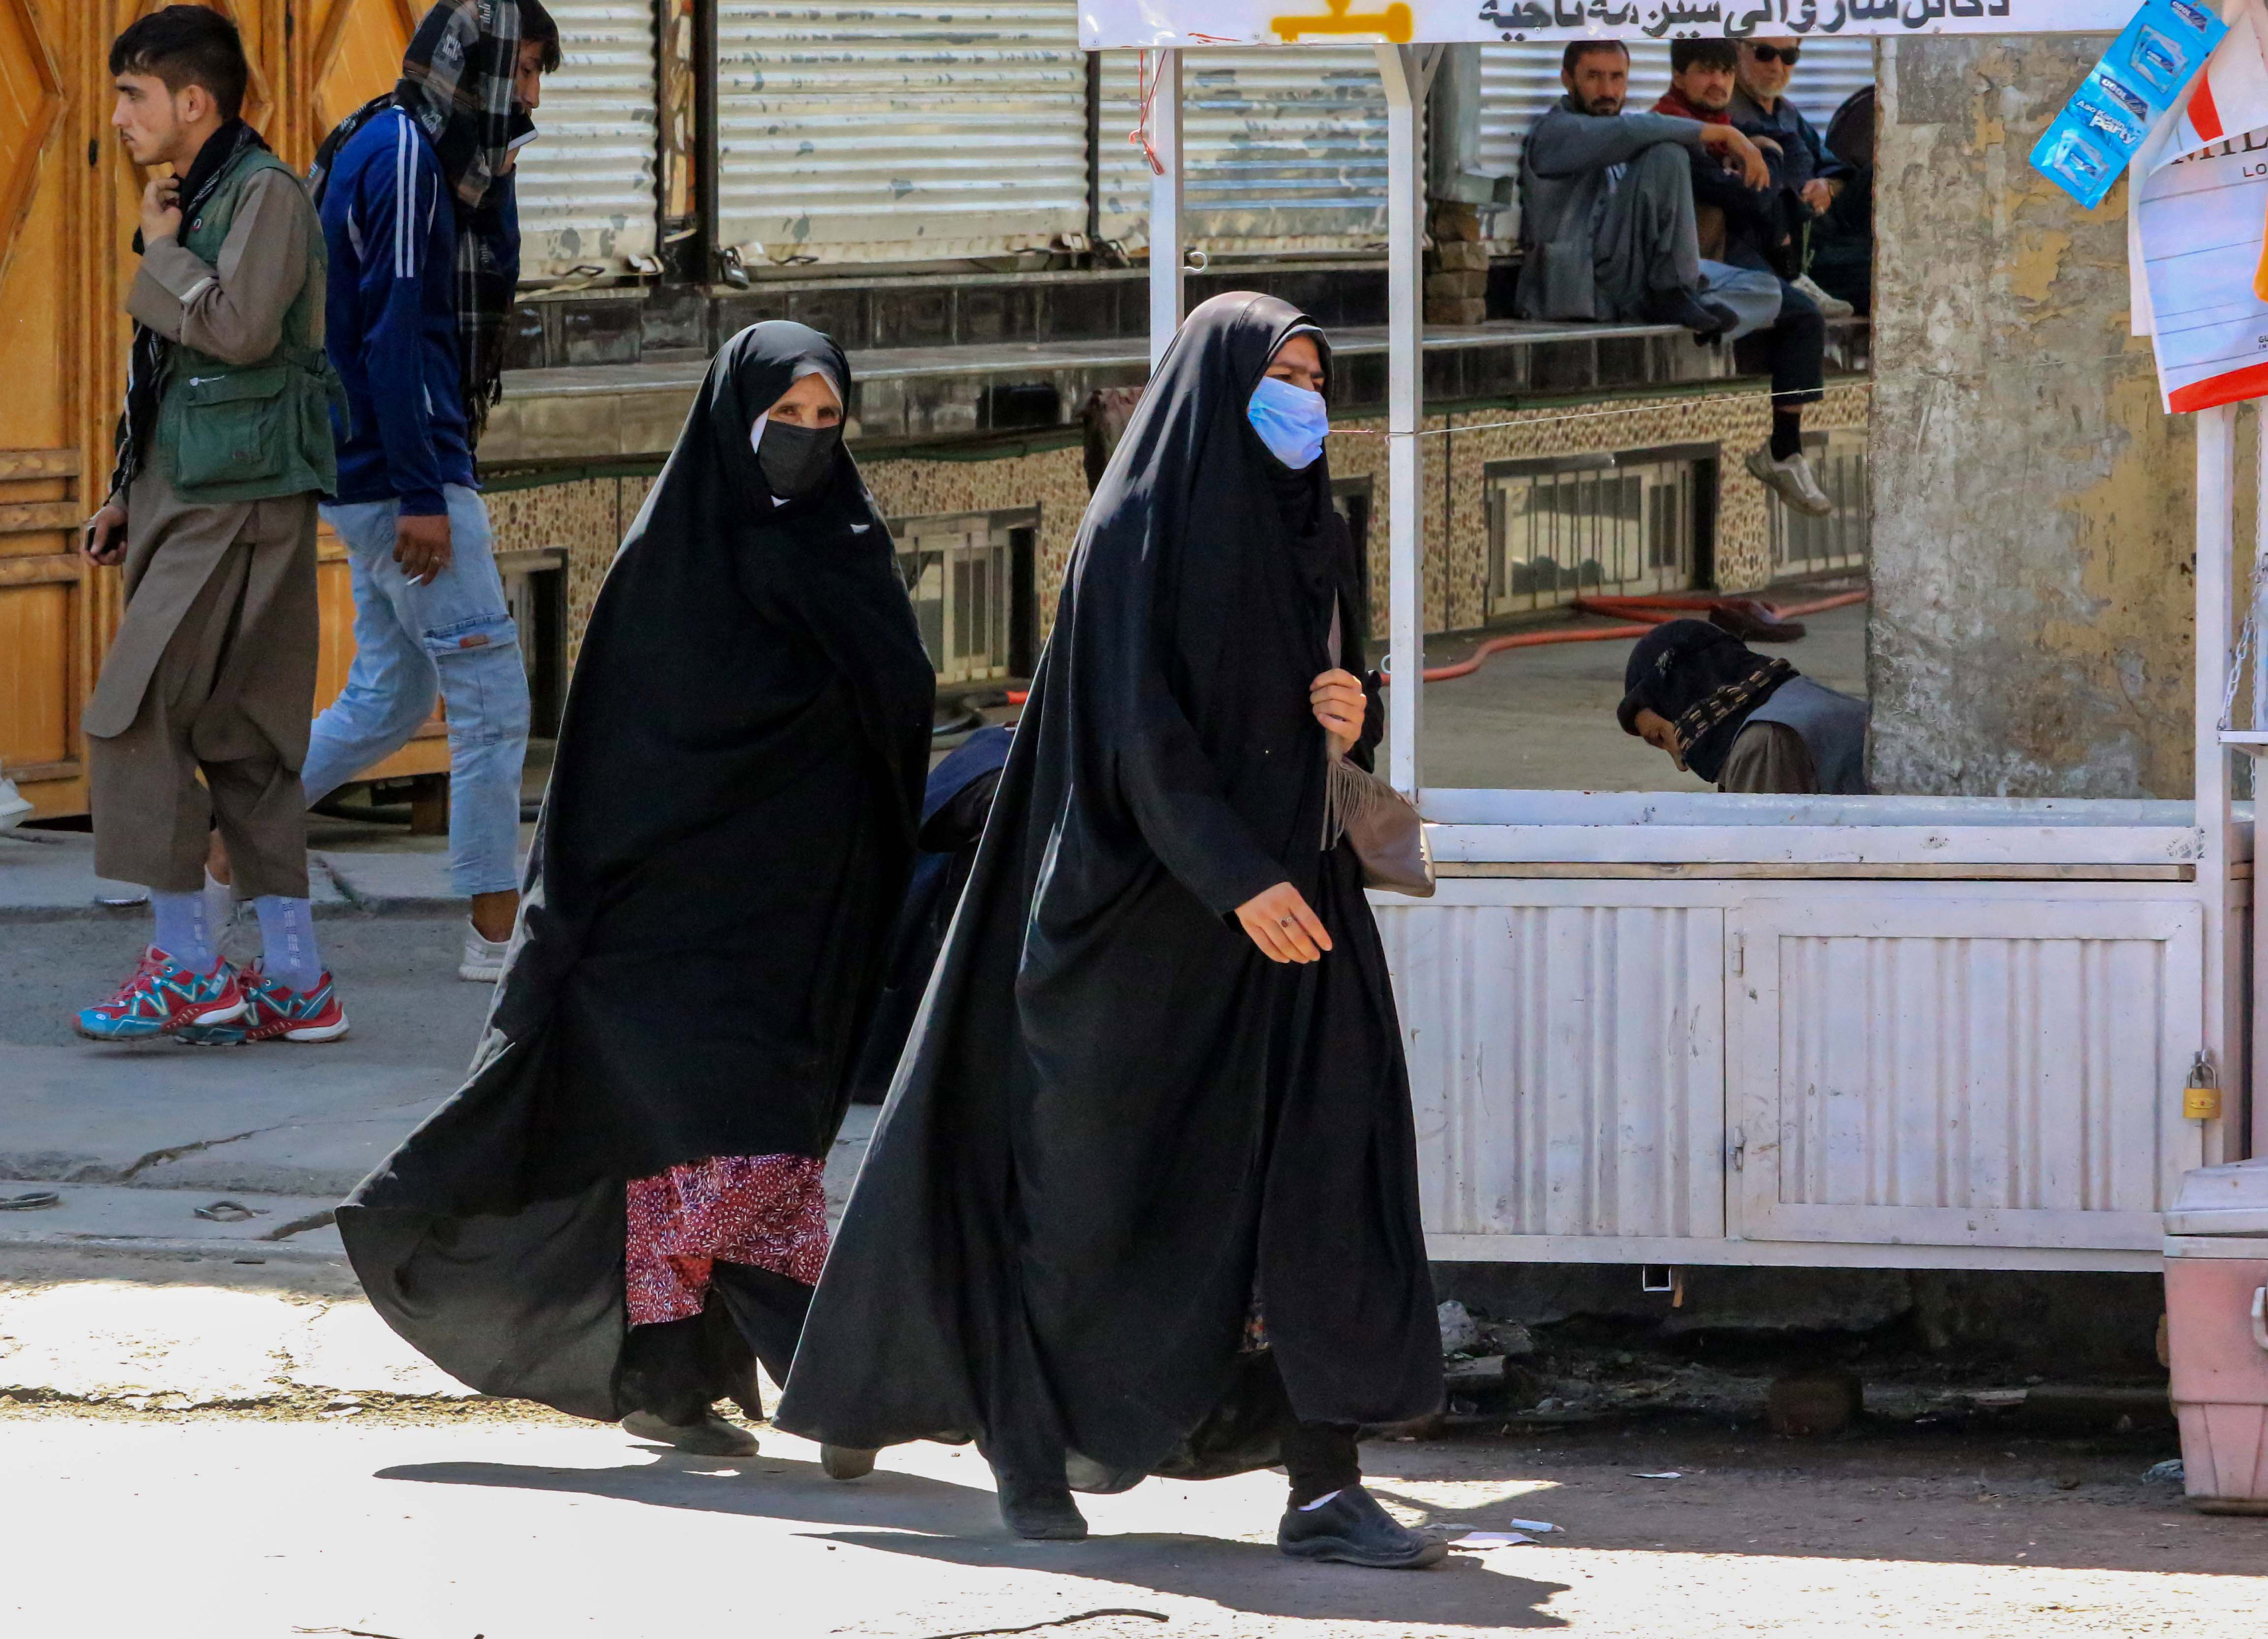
(1606, 213)
(212, 672)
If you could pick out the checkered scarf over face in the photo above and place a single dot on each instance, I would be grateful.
(456, 83)
(1736, 698)
(1703, 681)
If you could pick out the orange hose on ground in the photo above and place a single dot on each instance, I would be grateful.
(1641, 609)
(1637, 608)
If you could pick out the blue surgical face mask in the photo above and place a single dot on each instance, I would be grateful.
(1291, 421)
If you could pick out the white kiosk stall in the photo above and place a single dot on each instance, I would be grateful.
(1686, 1029)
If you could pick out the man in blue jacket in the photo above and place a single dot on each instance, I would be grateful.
(415, 192)
(1814, 172)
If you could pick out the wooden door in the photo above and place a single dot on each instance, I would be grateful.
(49, 457)
(1928, 1069)
(357, 53)
(69, 199)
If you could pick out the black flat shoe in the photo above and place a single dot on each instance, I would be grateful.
(1354, 1530)
(1043, 1513)
(1082, 1473)
(711, 1436)
(1707, 320)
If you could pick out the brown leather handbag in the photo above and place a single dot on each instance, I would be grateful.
(1383, 826)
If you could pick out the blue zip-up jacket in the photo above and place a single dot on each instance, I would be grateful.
(390, 229)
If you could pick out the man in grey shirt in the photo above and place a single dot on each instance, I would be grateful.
(1607, 203)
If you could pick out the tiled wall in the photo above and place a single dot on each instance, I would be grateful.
(586, 517)
(1463, 444)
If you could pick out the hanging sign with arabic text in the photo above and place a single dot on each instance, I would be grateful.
(1198, 23)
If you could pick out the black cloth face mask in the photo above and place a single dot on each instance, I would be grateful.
(797, 460)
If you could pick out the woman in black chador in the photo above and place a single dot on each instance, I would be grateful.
(1144, 1197)
(622, 1209)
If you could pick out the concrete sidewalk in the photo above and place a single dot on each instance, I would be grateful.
(278, 1119)
(353, 870)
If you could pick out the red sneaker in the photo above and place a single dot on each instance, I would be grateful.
(164, 996)
(277, 1012)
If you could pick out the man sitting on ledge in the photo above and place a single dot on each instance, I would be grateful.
(1606, 203)
(1744, 227)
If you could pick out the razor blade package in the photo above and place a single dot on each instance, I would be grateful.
(2141, 78)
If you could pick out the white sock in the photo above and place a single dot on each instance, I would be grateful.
(220, 905)
(1309, 1507)
(182, 932)
(287, 942)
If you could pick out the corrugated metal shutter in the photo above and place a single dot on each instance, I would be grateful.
(586, 184)
(1830, 71)
(1286, 149)
(1520, 81)
(869, 134)
(1601, 1111)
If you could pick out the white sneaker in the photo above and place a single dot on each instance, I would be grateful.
(483, 960)
(1791, 480)
(1832, 306)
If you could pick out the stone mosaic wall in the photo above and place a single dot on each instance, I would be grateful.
(585, 517)
(1464, 444)
(1053, 480)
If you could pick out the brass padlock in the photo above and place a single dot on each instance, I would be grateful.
(2201, 1099)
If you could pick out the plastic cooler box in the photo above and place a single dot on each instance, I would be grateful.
(2217, 1333)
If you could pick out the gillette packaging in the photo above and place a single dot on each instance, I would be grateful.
(2141, 77)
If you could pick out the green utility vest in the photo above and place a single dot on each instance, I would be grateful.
(249, 432)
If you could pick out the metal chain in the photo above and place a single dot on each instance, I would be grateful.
(2240, 658)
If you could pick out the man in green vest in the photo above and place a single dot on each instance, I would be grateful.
(200, 719)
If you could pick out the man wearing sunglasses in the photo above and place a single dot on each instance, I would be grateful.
(1761, 108)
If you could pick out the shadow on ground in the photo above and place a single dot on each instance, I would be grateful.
(944, 1522)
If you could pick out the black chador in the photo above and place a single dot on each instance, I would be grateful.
(724, 844)
(1124, 1147)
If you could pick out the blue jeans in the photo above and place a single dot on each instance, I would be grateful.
(454, 636)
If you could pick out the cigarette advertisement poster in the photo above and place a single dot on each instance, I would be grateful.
(2201, 224)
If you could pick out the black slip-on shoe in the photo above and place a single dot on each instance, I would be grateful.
(1043, 1513)
(1706, 319)
(711, 1436)
(1082, 1473)
(1354, 1530)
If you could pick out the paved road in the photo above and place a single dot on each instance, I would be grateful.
(1543, 719)
(430, 1526)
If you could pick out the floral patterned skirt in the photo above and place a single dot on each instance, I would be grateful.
(769, 1211)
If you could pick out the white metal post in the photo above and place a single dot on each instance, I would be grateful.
(2257, 1126)
(2216, 543)
(1167, 252)
(1405, 71)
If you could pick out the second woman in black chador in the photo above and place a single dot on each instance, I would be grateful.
(1144, 1196)
(622, 1209)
